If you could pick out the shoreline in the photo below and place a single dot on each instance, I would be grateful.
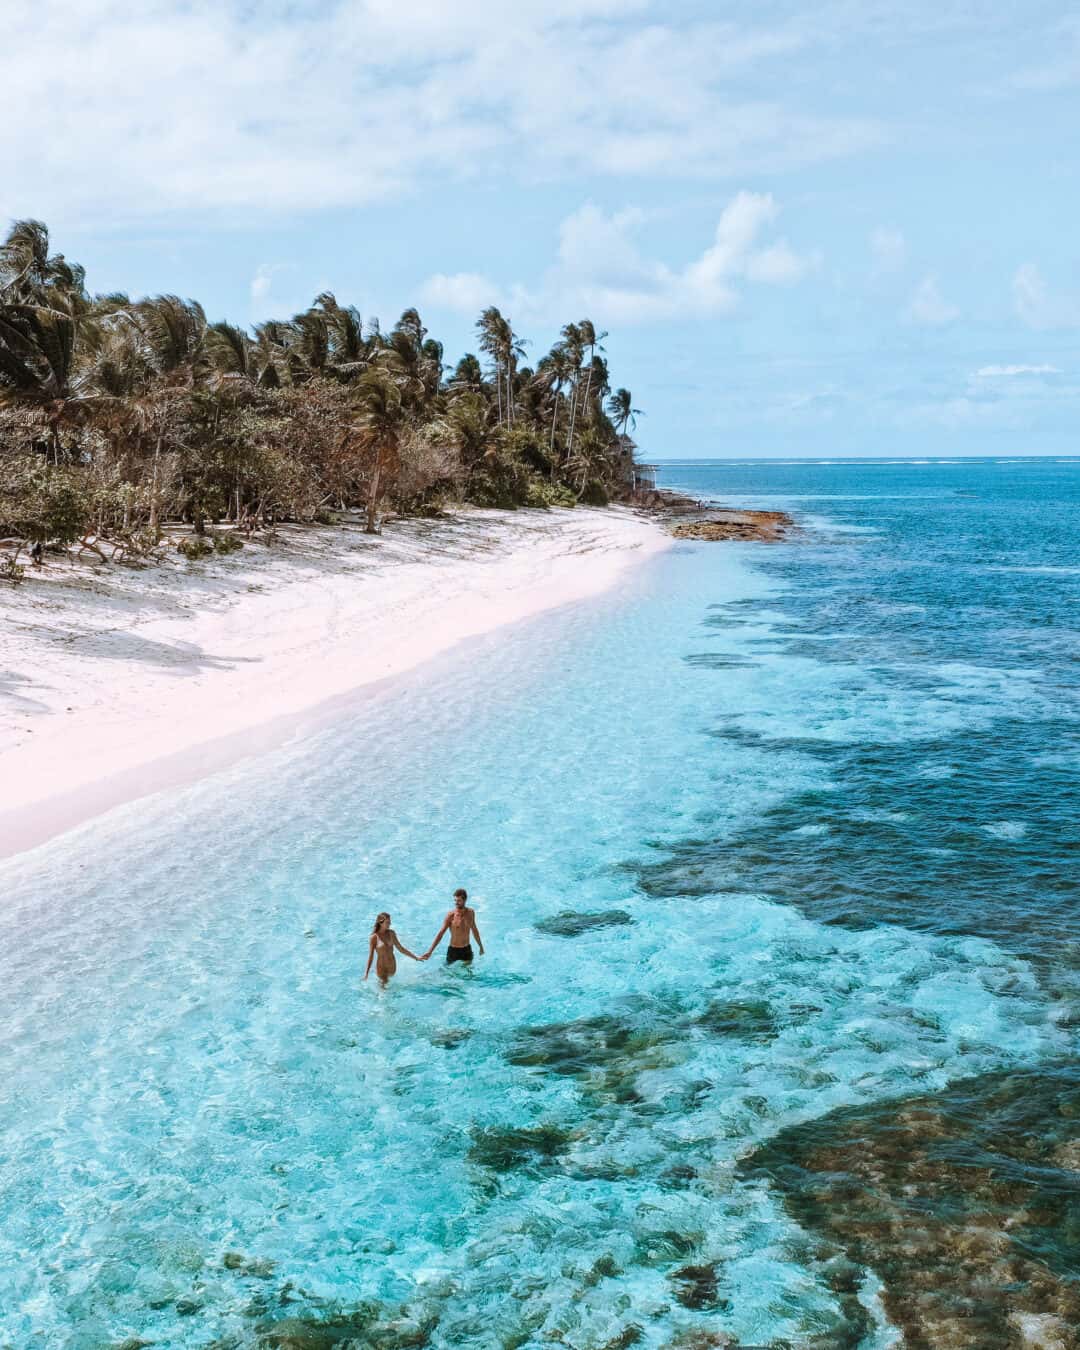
(118, 683)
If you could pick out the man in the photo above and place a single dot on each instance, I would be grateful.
(461, 922)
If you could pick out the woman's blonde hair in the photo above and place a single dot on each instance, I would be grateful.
(378, 920)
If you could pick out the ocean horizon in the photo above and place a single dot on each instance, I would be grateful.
(773, 849)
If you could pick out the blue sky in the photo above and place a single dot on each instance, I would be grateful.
(838, 228)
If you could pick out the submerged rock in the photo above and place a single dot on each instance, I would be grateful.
(750, 1019)
(365, 1326)
(572, 924)
(959, 1202)
(506, 1148)
(697, 1287)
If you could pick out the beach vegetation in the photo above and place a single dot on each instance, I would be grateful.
(122, 416)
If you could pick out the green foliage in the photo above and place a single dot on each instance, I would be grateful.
(193, 547)
(11, 570)
(41, 503)
(227, 543)
(541, 492)
(118, 414)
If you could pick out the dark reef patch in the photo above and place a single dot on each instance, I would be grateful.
(571, 923)
(506, 1148)
(965, 1204)
(920, 849)
(717, 661)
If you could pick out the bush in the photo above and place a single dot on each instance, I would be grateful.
(10, 570)
(227, 543)
(594, 494)
(542, 493)
(193, 547)
(40, 502)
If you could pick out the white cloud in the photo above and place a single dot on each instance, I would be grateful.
(465, 292)
(1035, 304)
(601, 269)
(263, 280)
(220, 105)
(889, 248)
(1008, 372)
(929, 306)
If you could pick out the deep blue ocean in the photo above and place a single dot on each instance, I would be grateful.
(774, 849)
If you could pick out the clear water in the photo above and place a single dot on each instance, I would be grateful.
(822, 795)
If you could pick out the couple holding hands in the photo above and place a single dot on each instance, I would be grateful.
(461, 923)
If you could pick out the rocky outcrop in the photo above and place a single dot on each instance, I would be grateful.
(768, 527)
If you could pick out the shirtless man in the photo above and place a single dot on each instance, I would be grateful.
(461, 922)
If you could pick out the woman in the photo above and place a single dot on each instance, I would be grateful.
(381, 949)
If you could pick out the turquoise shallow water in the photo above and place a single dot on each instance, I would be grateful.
(762, 835)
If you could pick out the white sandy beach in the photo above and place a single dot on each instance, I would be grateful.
(116, 682)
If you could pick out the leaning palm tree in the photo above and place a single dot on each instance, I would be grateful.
(173, 333)
(554, 372)
(573, 343)
(380, 422)
(499, 341)
(622, 412)
(231, 352)
(31, 275)
(37, 364)
(591, 339)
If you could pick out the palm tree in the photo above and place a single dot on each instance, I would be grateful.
(37, 363)
(591, 339)
(173, 333)
(379, 424)
(621, 411)
(467, 375)
(574, 344)
(231, 352)
(554, 372)
(499, 341)
(31, 275)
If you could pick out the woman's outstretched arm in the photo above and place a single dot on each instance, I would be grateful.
(403, 949)
(370, 956)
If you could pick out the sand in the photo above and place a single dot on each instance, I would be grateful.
(116, 682)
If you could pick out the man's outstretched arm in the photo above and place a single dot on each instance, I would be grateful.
(437, 939)
(476, 934)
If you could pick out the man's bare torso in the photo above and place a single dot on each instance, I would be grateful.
(461, 922)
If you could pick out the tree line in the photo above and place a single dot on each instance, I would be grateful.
(119, 417)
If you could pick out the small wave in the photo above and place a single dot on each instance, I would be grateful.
(811, 831)
(934, 771)
(1005, 829)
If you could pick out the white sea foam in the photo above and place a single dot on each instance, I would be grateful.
(1010, 830)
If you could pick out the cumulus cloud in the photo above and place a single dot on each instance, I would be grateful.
(600, 268)
(928, 306)
(1008, 372)
(1037, 306)
(219, 105)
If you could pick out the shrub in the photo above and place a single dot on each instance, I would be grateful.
(40, 502)
(193, 547)
(10, 570)
(542, 493)
(227, 543)
(594, 494)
